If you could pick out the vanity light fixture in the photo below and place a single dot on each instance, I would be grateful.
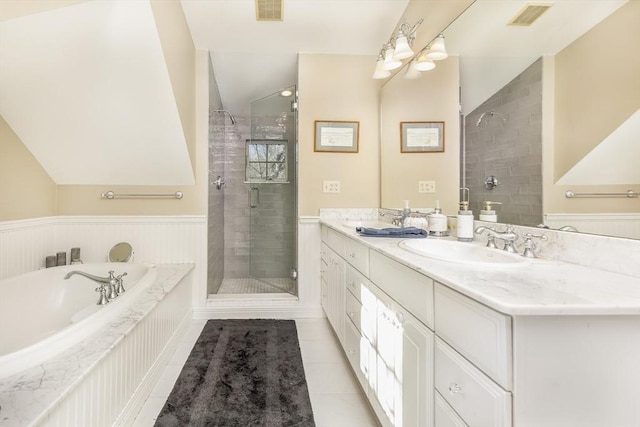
(397, 48)
(389, 62)
(437, 51)
(380, 72)
(412, 72)
(404, 40)
(423, 63)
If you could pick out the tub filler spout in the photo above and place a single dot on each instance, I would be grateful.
(108, 289)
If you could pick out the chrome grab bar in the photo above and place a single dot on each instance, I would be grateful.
(570, 194)
(111, 195)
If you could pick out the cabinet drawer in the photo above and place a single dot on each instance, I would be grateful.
(411, 289)
(336, 241)
(354, 310)
(445, 415)
(357, 353)
(473, 395)
(356, 283)
(479, 333)
(357, 255)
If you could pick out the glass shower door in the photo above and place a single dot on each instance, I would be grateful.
(271, 174)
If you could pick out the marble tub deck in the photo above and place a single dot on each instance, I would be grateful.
(26, 398)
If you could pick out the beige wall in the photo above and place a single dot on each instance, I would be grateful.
(596, 88)
(189, 78)
(338, 87)
(432, 97)
(85, 199)
(26, 190)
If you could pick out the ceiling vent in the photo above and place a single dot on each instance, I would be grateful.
(269, 10)
(529, 14)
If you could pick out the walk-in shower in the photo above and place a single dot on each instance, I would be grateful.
(252, 199)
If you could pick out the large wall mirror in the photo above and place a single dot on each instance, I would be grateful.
(531, 110)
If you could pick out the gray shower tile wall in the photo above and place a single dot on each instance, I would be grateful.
(215, 229)
(510, 149)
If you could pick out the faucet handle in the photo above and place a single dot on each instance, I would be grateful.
(121, 288)
(528, 244)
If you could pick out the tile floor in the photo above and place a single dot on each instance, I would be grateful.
(336, 398)
(256, 286)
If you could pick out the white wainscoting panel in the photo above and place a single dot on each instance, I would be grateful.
(155, 239)
(608, 224)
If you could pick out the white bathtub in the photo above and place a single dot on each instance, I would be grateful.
(42, 314)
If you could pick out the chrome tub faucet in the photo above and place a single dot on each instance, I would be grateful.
(110, 287)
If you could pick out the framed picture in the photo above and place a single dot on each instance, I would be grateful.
(336, 137)
(421, 137)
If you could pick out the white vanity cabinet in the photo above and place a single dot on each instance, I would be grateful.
(430, 354)
(386, 338)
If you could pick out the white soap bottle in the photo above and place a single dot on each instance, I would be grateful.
(487, 213)
(437, 222)
(464, 228)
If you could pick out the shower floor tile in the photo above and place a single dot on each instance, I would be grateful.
(255, 286)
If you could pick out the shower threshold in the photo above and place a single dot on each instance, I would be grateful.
(243, 286)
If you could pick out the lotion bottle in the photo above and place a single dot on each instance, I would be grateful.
(464, 229)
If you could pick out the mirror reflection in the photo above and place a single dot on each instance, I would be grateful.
(531, 111)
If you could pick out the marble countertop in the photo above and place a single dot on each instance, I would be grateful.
(26, 398)
(538, 287)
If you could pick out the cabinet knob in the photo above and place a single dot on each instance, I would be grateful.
(352, 255)
(352, 285)
(352, 351)
(455, 388)
(351, 314)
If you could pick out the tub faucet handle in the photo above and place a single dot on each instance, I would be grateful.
(102, 299)
(121, 288)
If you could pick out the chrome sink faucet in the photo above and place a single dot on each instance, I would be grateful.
(508, 237)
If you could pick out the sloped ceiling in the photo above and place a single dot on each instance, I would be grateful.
(87, 90)
(604, 164)
(253, 59)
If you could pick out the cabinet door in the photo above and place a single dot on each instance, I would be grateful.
(404, 389)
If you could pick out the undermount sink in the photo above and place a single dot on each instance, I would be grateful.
(462, 253)
(368, 224)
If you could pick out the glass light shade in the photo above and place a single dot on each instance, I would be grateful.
(412, 72)
(380, 72)
(437, 51)
(403, 50)
(389, 62)
(424, 64)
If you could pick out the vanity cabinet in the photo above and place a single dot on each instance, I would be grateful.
(428, 355)
(385, 333)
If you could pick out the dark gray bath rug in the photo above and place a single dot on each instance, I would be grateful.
(241, 373)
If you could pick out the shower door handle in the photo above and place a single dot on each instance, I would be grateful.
(254, 197)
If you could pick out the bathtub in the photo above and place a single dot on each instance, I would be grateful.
(42, 314)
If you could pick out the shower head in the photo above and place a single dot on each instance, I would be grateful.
(491, 113)
(233, 119)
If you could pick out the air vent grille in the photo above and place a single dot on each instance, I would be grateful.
(269, 10)
(529, 14)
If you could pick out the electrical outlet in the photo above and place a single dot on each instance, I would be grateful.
(330, 186)
(426, 186)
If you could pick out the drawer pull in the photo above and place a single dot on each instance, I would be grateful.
(455, 388)
(352, 255)
(352, 285)
(352, 351)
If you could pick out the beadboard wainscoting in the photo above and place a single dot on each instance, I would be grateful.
(24, 244)
(608, 224)
(305, 305)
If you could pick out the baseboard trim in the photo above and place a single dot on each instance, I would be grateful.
(257, 312)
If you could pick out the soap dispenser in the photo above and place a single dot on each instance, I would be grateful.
(464, 228)
(437, 222)
(487, 213)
